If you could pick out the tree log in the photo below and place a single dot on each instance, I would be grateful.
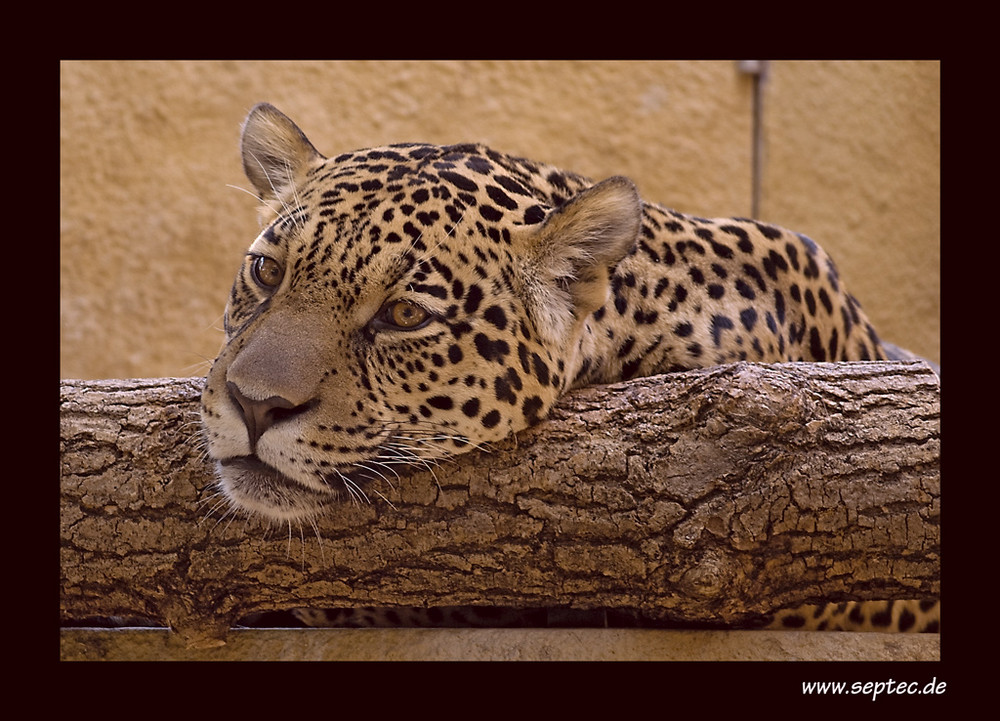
(711, 496)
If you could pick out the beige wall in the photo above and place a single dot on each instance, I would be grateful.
(152, 232)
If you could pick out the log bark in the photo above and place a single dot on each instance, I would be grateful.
(711, 496)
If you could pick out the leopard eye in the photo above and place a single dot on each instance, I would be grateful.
(266, 272)
(402, 314)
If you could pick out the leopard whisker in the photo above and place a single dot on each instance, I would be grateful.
(231, 514)
(415, 460)
(451, 232)
(217, 499)
(284, 206)
(411, 457)
(391, 504)
(319, 538)
(356, 491)
(435, 434)
(295, 196)
(248, 192)
(368, 468)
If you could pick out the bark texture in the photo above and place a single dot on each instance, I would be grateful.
(709, 496)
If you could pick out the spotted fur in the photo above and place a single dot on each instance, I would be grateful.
(410, 302)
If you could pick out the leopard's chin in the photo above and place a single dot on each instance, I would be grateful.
(261, 490)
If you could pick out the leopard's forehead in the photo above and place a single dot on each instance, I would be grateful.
(405, 180)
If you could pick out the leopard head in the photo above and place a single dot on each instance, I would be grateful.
(401, 304)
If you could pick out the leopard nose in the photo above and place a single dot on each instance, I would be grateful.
(260, 415)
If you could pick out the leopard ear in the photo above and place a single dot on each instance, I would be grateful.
(274, 150)
(569, 260)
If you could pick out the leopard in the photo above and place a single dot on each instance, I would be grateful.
(410, 302)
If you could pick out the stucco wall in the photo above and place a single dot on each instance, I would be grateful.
(152, 230)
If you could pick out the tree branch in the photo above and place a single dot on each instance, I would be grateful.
(707, 496)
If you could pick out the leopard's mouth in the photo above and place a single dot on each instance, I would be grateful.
(257, 487)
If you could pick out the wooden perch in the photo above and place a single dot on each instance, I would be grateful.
(708, 496)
